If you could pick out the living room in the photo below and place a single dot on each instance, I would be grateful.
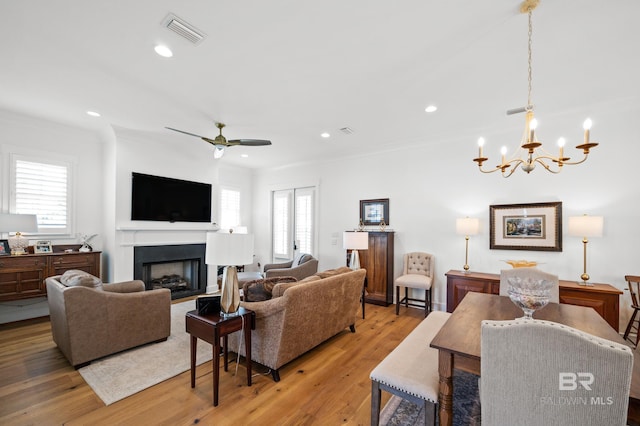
(583, 67)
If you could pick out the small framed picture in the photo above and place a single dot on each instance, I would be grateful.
(4, 248)
(373, 212)
(43, 247)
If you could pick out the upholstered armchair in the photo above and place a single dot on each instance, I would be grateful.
(302, 266)
(90, 320)
(545, 373)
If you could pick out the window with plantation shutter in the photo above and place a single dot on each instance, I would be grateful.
(293, 222)
(42, 188)
(229, 208)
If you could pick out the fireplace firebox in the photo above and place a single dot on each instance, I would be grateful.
(180, 268)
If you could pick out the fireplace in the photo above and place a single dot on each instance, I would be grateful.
(180, 268)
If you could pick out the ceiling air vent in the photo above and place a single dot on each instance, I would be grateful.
(184, 29)
(346, 130)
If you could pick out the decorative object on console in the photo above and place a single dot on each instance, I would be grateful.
(85, 243)
(4, 248)
(208, 304)
(530, 151)
(229, 249)
(43, 247)
(521, 263)
(355, 241)
(585, 226)
(467, 226)
(374, 212)
(18, 223)
(533, 226)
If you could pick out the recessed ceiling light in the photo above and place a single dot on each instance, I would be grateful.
(93, 113)
(244, 155)
(163, 51)
(325, 135)
(431, 108)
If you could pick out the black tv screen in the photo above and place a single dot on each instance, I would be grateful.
(169, 200)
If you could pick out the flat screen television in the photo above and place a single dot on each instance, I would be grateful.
(169, 200)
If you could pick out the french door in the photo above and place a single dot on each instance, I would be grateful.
(293, 222)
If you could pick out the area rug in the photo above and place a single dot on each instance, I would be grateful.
(126, 373)
(466, 405)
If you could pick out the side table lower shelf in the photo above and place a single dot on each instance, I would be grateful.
(211, 328)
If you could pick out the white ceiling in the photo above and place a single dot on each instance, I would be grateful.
(290, 70)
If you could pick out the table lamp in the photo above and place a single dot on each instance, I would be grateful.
(585, 226)
(467, 226)
(228, 250)
(18, 223)
(354, 241)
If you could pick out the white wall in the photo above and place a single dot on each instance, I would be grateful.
(33, 136)
(436, 182)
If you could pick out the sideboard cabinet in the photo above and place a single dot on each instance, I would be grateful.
(378, 261)
(604, 298)
(22, 277)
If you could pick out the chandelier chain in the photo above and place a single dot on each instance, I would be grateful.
(529, 105)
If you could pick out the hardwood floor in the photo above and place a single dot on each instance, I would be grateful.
(329, 385)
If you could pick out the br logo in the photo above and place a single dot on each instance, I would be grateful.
(570, 381)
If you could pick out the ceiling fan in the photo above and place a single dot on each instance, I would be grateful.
(220, 142)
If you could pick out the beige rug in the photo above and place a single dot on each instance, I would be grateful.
(121, 375)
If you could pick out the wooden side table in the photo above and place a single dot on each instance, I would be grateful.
(211, 328)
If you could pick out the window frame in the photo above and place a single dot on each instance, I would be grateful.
(70, 166)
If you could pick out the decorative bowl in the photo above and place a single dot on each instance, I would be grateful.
(529, 294)
(521, 263)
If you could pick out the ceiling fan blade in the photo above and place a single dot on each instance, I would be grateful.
(249, 142)
(186, 133)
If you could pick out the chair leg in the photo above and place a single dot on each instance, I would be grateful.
(375, 403)
(628, 330)
(397, 300)
(426, 303)
(406, 297)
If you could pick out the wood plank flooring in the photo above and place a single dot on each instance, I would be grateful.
(327, 386)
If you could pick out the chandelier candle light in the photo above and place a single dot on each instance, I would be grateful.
(530, 151)
(467, 226)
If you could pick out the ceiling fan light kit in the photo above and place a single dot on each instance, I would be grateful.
(530, 150)
(220, 142)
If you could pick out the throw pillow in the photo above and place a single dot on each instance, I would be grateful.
(259, 290)
(74, 278)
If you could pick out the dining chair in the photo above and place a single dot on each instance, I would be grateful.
(633, 281)
(546, 373)
(417, 273)
(529, 272)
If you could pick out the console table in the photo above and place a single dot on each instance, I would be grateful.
(22, 277)
(604, 298)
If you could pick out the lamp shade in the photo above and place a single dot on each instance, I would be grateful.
(18, 222)
(355, 240)
(467, 225)
(586, 226)
(225, 249)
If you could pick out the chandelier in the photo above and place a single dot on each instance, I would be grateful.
(530, 151)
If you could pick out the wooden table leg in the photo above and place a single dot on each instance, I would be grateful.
(216, 367)
(445, 392)
(194, 342)
(247, 342)
(226, 353)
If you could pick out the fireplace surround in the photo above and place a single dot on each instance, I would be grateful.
(180, 268)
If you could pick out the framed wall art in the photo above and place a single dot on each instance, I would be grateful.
(534, 226)
(373, 212)
(4, 248)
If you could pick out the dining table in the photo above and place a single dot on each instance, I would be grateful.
(458, 341)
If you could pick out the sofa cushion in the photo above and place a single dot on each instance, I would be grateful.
(74, 278)
(333, 272)
(259, 290)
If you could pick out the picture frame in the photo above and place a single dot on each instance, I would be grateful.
(43, 247)
(4, 248)
(373, 212)
(533, 226)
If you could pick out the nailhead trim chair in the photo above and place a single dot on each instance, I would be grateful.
(634, 322)
(417, 273)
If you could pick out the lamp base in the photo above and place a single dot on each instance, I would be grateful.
(230, 294)
(18, 244)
